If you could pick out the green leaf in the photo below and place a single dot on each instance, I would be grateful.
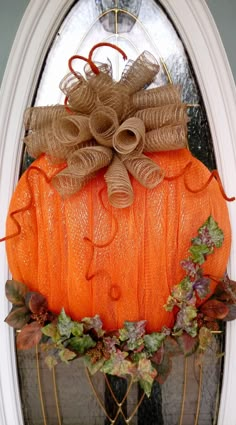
(64, 324)
(118, 365)
(153, 341)
(51, 331)
(199, 252)
(36, 302)
(77, 329)
(51, 362)
(15, 292)
(133, 333)
(29, 336)
(18, 317)
(93, 367)
(81, 344)
(66, 355)
(146, 386)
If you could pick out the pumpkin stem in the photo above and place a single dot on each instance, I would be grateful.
(108, 45)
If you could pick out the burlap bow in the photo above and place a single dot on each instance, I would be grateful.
(109, 124)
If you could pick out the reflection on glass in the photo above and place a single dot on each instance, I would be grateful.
(150, 29)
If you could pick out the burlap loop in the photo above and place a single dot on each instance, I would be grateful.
(166, 138)
(140, 73)
(129, 136)
(72, 130)
(143, 169)
(159, 96)
(105, 122)
(119, 188)
(163, 116)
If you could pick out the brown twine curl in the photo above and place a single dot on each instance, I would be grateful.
(129, 136)
(72, 130)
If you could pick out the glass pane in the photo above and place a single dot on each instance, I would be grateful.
(134, 26)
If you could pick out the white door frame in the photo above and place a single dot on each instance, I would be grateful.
(197, 29)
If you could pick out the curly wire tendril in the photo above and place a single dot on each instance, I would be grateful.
(111, 124)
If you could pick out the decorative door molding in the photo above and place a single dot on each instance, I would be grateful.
(197, 29)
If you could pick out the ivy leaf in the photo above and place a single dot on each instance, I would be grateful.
(199, 252)
(51, 331)
(216, 234)
(205, 338)
(64, 324)
(29, 336)
(18, 317)
(36, 302)
(51, 362)
(94, 323)
(66, 355)
(15, 292)
(81, 344)
(93, 367)
(190, 267)
(132, 332)
(188, 344)
(153, 341)
(118, 365)
(215, 309)
(201, 286)
(77, 329)
(110, 343)
(171, 347)
(164, 369)
(146, 374)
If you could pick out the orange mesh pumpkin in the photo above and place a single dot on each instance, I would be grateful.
(91, 258)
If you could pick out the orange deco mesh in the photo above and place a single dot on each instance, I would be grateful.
(91, 258)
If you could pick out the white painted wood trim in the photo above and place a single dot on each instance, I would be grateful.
(198, 31)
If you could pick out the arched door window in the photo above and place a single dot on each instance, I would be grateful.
(135, 26)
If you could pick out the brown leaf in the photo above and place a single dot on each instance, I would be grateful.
(15, 292)
(18, 317)
(29, 336)
(163, 369)
(36, 302)
(215, 309)
(188, 344)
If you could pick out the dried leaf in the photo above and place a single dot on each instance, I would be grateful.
(18, 317)
(215, 309)
(15, 292)
(36, 302)
(29, 336)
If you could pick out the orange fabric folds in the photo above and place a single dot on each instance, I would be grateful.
(91, 258)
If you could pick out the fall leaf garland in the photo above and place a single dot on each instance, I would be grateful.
(130, 350)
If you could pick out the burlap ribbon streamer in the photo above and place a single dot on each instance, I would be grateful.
(109, 124)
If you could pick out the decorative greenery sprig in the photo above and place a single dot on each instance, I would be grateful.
(130, 350)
